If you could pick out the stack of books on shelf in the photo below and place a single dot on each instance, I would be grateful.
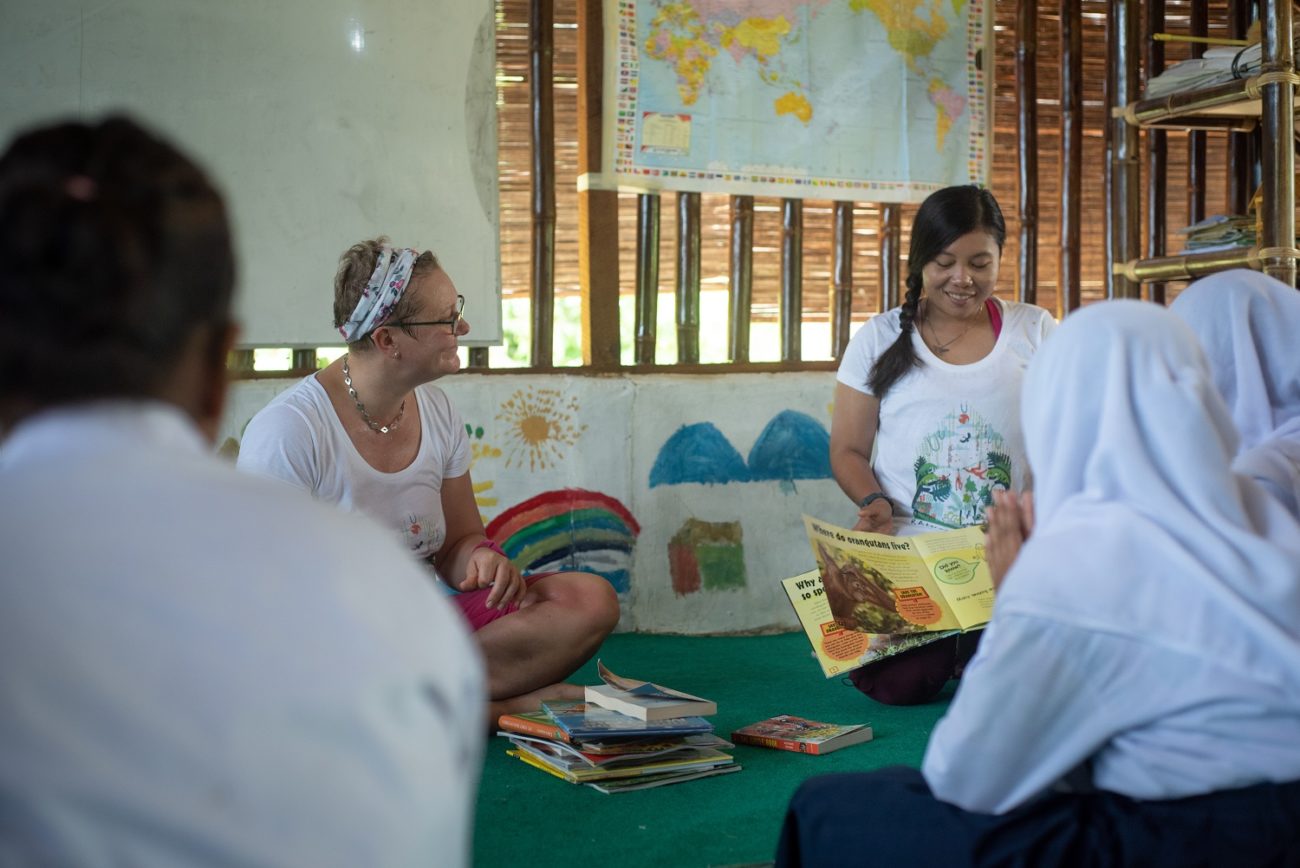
(651, 737)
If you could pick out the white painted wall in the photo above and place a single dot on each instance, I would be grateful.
(605, 434)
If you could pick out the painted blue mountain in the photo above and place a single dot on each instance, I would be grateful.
(793, 445)
(698, 453)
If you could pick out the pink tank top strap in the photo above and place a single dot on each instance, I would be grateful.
(995, 316)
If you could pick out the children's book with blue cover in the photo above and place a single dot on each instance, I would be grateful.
(584, 721)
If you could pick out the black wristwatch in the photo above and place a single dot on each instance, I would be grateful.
(872, 498)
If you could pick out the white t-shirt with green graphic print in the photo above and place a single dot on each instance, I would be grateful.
(948, 434)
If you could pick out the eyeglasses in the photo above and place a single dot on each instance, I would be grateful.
(454, 323)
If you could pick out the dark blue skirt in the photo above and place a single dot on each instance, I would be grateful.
(890, 818)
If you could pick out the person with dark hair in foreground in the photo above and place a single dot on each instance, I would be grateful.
(1135, 700)
(925, 425)
(196, 667)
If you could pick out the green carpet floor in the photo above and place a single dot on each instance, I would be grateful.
(526, 817)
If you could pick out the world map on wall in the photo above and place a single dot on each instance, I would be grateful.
(878, 99)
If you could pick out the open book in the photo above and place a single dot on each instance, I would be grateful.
(643, 700)
(874, 595)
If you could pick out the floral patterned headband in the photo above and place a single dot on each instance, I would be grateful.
(389, 280)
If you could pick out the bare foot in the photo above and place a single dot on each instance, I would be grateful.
(560, 691)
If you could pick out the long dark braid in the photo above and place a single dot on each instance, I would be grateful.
(894, 362)
(943, 217)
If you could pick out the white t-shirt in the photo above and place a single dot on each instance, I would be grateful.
(298, 438)
(202, 668)
(948, 434)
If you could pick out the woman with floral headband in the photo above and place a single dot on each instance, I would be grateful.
(372, 434)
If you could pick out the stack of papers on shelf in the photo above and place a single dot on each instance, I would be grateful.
(1214, 67)
(1219, 232)
(612, 752)
(1219, 64)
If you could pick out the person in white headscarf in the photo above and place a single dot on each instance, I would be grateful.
(1249, 326)
(1136, 697)
(372, 434)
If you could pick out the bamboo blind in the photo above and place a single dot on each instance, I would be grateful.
(818, 216)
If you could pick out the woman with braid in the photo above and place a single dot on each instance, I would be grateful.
(925, 426)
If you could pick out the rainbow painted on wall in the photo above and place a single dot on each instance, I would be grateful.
(569, 529)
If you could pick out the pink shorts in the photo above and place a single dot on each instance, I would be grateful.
(473, 604)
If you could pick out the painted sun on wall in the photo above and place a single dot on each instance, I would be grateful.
(540, 425)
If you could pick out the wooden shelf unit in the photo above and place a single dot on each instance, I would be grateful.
(1266, 100)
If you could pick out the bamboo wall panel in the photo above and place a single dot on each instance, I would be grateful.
(818, 216)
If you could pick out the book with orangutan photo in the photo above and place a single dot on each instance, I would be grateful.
(875, 595)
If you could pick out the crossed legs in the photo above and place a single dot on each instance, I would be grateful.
(560, 623)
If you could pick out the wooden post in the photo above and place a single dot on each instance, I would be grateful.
(1277, 121)
(842, 279)
(1199, 26)
(1157, 151)
(1068, 268)
(1027, 141)
(891, 254)
(240, 361)
(647, 277)
(791, 279)
(741, 282)
(597, 209)
(304, 360)
(1243, 148)
(1123, 169)
(688, 278)
(541, 44)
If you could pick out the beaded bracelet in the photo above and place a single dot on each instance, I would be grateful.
(491, 545)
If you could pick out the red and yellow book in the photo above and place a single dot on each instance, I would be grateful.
(798, 734)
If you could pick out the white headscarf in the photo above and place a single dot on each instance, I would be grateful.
(384, 289)
(1142, 528)
(1249, 326)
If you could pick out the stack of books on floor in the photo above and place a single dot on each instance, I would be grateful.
(656, 737)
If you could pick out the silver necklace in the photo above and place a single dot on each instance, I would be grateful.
(942, 347)
(352, 393)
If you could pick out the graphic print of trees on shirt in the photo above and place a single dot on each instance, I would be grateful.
(932, 488)
(929, 482)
